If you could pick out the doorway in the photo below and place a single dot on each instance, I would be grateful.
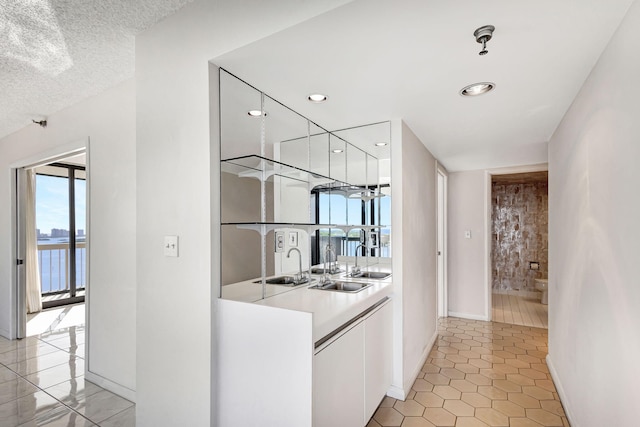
(518, 247)
(61, 231)
(51, 239)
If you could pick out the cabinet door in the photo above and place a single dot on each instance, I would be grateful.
(378, 358)
(338, 378)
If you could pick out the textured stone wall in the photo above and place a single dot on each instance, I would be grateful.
(520, 223)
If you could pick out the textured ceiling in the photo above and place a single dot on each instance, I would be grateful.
(54, 53)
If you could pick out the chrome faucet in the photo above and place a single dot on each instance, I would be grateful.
(298, 278)
(326, 277)
(355, 270)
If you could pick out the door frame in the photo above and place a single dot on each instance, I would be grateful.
(18, 328)
(442, 177)
(488, 225)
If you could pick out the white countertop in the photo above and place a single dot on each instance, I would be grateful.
(330, 309)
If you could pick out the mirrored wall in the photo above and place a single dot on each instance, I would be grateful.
(289, 188)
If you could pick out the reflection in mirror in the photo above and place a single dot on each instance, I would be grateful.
(366, 200)
(357, 169)
(241, 255)
(337, 158)
(319, 152)
(280, 173)
(287, 131)
(240, 197)
(240, 131)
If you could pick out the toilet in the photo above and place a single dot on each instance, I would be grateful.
(543, 286)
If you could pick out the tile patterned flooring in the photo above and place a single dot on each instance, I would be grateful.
(480, 374)
(519, 309)
(42, 384)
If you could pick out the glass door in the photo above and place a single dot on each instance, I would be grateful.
(61, 231)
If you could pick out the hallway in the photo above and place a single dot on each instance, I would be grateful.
(480, 374)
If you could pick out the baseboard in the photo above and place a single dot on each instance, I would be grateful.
(560, 389)
(396, 392)
(109, 385)
(402, 393)
(468, 316)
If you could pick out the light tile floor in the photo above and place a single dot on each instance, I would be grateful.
(519, 309)
(42, 384)
(480, 374)
(55, 318)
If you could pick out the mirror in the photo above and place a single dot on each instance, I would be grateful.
(280, 175)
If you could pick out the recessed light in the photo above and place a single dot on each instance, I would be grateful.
(317, 97)
(477, 89)
(380, 144)
(255, 113)
(337, 150)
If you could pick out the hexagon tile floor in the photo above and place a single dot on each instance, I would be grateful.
(480, 374)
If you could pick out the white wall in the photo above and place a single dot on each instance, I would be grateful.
(108, 120)
(414, 198)
(594, 297)
(174, 195)
(467, 267)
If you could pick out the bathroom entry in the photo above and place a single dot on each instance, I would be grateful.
(519, 247)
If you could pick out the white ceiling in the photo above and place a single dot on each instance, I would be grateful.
(376, 59)
(54, 53)
(380, 59)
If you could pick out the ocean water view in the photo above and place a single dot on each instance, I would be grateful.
(53, 259)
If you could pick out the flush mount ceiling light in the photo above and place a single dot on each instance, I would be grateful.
(477, 89)
(256, 113)
(483, 35)
(337, 150)
(317, 97)
(380, 144)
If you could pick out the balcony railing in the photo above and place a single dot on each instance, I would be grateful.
(54, 266)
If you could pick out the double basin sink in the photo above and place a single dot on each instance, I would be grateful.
(334, 285)
(351, 287)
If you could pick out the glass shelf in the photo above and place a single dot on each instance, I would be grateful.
(263, 169)
(351, 191)
(266, 227)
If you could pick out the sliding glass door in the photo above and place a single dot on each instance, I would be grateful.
(61, 225)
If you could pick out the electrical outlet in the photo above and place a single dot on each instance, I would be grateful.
(373, 239)
(279, 241)
(467, 234)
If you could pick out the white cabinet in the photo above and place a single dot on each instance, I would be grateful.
(338, 377)
(352, 373)
(378, 357)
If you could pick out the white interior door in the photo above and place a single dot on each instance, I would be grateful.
(20, 253)
(442, 245)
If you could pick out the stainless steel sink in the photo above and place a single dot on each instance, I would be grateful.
(284, 280)
(339, 286)
(372, 275)
(320, 270)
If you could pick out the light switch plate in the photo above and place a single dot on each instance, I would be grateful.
(171, 246)
(467, 234)
(293, 239)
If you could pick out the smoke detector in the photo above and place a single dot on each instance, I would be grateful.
(483, 35)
